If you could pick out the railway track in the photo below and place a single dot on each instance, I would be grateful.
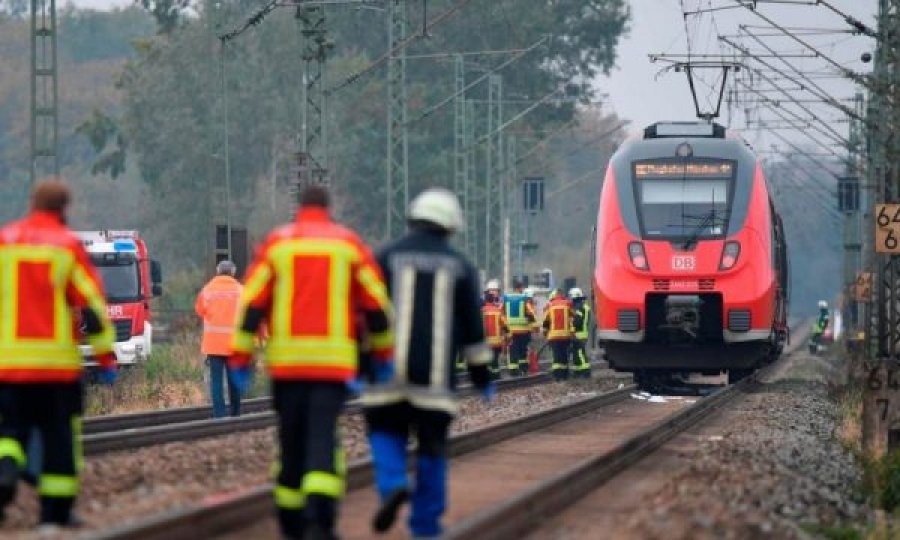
(225, 513)
(130, 431)
(544, 463)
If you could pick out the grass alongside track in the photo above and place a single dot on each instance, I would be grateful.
(173, 376)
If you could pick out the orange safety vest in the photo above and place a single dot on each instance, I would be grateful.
(558, 319)
(46, 277)
(217, 305)
(494, 324)
(312, 278)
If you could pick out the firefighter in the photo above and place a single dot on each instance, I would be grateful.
(50, 289)
(819, 327)
(557, 325)
(312, 281)
(435, 293)
(581, 317)
(217, 305)
(495, 327)
(519, 312)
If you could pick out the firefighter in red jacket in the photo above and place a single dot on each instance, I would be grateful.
(558, 329)
(495, 328)
(47, 287)
(311, 280)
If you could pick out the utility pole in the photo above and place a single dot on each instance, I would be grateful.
(398, 130)
(513, 262)
(474, 196)
(460, 154)
(44, 90)
(312, 155)
(493, 187)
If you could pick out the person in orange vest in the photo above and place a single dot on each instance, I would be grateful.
(558, 329)
(312, 281)
(217, 305)
(495, 328)
(52, 298)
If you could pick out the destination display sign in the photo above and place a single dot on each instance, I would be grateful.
(680, 169)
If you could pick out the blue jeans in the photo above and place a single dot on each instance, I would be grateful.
(218, 370)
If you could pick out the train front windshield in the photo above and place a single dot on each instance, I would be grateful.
(681, 200)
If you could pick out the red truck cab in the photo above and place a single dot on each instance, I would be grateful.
(130, 279)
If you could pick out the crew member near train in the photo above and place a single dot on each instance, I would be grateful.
(581, 316)
(495, 327)
(311, 280)
(435, 294)
(520, 317)
(48, 282)
(217, 305)
(557, 324)
(819, 326)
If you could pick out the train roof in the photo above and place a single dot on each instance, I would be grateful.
(705, 139)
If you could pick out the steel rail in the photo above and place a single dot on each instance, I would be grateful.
(158, 417)
(224, 513)
(139, 437)
(524, 513)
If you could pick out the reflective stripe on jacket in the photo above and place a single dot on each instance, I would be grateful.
(582, 317)
(494, 324)
(217, 305)
(311, 278)
(45, 278)
(558, 319)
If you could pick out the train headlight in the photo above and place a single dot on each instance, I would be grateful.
(637, 256)
(730, 254)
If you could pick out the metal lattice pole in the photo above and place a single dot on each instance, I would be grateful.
(460, 156)
(493, 186)
(398, 140)
(44, 90)
(473, 193)
(513, 263)
(313, 153)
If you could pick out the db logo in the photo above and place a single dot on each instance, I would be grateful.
(114, 311)
(684, 263)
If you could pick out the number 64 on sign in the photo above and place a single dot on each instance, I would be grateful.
(887, 228)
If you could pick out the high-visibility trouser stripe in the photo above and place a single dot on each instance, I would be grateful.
(289, 498)
(323, 483)
(11, 448)
(555, 367)
(58, 485)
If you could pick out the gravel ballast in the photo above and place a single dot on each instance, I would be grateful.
(776, 468)
(121, 487)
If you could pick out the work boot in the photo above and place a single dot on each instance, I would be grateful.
(387, 514)
(9, 479)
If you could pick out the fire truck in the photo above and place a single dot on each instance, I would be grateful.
(130, 279)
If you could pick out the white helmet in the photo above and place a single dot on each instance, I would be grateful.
(575, 292)
(439, 206)
(823, 304)
(492, 285)
(529, 292)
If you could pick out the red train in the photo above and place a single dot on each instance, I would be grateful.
(690, 260)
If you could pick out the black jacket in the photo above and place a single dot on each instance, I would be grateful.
(437, 315)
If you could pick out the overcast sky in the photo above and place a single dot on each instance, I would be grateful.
(638, 92)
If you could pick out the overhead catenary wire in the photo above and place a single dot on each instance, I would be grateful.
(404, 43)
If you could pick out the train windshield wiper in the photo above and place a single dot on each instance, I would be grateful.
(708, 220)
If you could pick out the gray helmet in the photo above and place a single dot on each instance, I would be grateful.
(226, 267)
